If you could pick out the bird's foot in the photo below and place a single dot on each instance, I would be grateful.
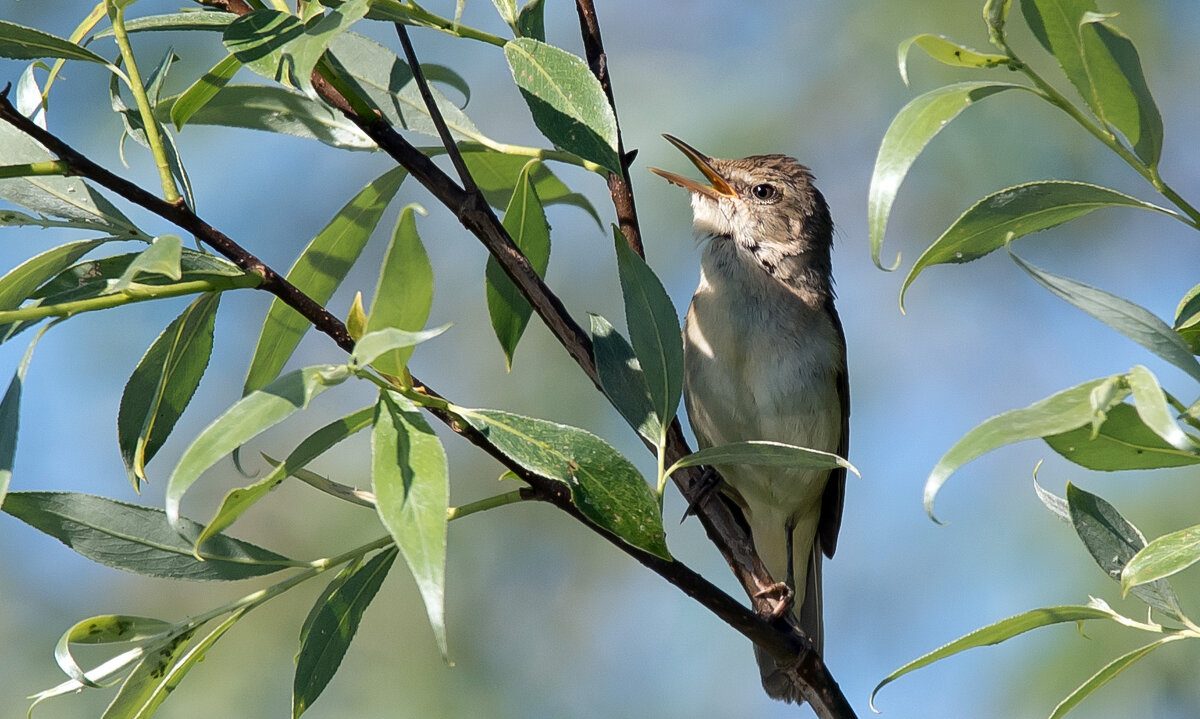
(781, 597)
(710, 480)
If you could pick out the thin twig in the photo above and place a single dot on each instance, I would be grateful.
(435, 113)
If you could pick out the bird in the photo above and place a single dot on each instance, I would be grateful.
(765, 359)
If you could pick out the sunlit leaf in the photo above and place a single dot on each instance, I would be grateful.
(412, 493)
(106, 629)
(622, 379)
(946, 52)
(21, 281)
(203, 90)
(404, 292)
(1056, 25)
(568, 104)
(10, 416)
(138, 539)
(208, 20)
(25, 43)
(1107, 673)
(386, 342)
(1122, 442)
(252, 414)
(1112, 541)
(1187, 319)
(1015, 212)
(319, 271)
(1120, 95)
(1152, 407)
(163, 258)
(525, 222)
(302, 53)
(1162, 557)
(258, 38)
(496, 175)
(763, 453)
(334, 624)
(1132, 320)
(163, 384)
(911, 130)
(996, 633)
(605, 486)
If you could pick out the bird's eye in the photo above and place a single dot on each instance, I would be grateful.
(764, 192)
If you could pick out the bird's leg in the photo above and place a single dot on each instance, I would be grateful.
(782, 592)
(710, 480)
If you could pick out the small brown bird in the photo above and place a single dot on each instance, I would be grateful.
(765, 359)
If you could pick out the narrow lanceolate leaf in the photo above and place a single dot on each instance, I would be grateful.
(412, 493)
(946, 52)
(1056, 414)
(507, 10)
(605, 486)
(526, 223)
(1112, 541)
(20, 282)
(10, 415)
(1152, 407)
(1187, 319)
(252, 414)
(301, 54)
(1162, 557)
(1132, 320)
(163, 384)
(1122, 442)
(653, 330)
(1015, 212)
(1053, 502)
(161, 258)
(138, 539)
(911, 130)
(25, 43)
(496, 175)
(202, 91)
(161, 672)
(404, 292)
(258, 38)
(1120, 95)
(1108, 672)
(568, 104)
(237, 501)
(531, 22)
(67, 198)
(386, 342)
(319, 271)
(332, 628)
(1056, 25)
(107, 629)
(999, 632)
(622, 379)
(762, 453)
(272, 109)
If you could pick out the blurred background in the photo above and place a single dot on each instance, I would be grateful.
(544, 620)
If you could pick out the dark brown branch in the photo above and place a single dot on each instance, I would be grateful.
(619, 186)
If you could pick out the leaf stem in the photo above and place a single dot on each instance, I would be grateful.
(116, 14)
(484, 504)
(34, 169)
(484, 144)
(410, 13)
(135, 293)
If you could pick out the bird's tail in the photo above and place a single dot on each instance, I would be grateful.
(778, 683)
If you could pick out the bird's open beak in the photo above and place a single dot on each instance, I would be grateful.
(717, 189)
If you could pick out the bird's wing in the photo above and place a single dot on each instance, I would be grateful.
(835, 487)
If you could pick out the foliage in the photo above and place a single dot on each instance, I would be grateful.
(1092, 424)
(320, 80)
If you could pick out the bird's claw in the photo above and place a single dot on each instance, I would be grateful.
(782, 598)
(710, 480)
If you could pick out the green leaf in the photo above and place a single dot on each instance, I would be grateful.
(404, 292)
(69, 198)
(763, 454)
(274, 109)
(333, 626)
(1014, 212)
(202, 91)
(946, 52)
(385, 342)
(995, 14)
(496, 176)
(653, 330)
(319, 271)
(605, 486)
(237, 501)
(1153, 409)
(1123, 442)
(1056, 504)
(163, 384)
(258, 38)
(153, 680)
(1066, 410)
(531, 22)
(138, 539)
(525, 222)
(1187, 319)
(568, 104)
(622, 379)
(1134, 321)
(10, 416)
(1162, 557)
(160, 258)
(93, 278)
(1113, 541)
(106, 629)
(1108, 672)
(21, 281)
(135, 126)
(301, 54)
(387, 82)
(507, 10)
(996, 633)
(190, 20)
(1120, 96)
(252, 414)
(25, 43)
(1056, 25)
(911, 130)
(412, 493)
